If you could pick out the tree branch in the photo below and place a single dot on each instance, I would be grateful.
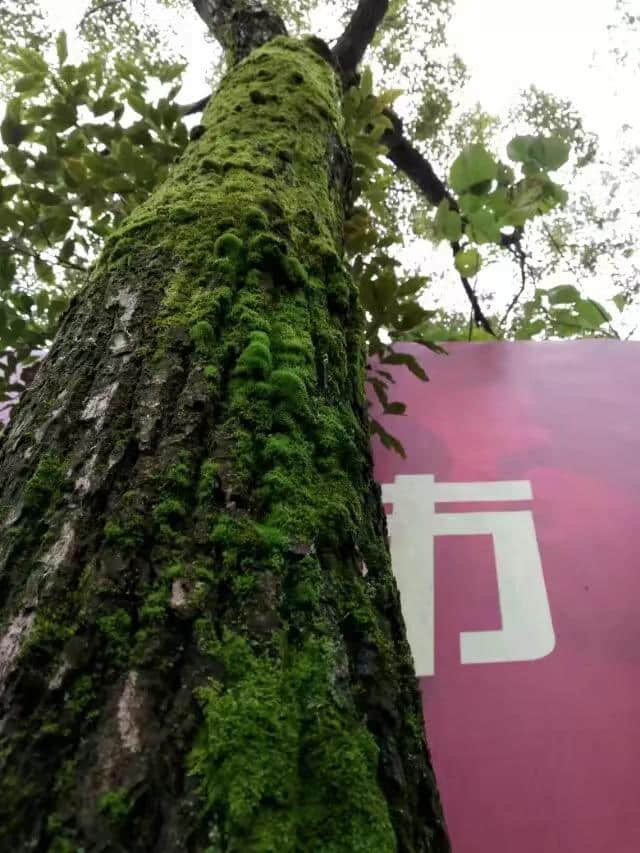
(240, 25)
(358, 34)
(31, 253)
(417, 168)
(195, 107)
(479, 317)
(520, 255)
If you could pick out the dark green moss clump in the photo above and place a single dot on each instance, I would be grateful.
(46, 485)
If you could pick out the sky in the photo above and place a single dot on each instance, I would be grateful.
(558, 45)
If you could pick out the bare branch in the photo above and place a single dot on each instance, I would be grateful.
(417, 168)
(478, 314)
(357, 37)
(240, 25)
(195, 107)
(521, 257)
(31, 253)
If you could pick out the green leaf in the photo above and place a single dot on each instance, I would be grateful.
(620, 301)
(468, 262)
(412, 285)
(26, 59)
(30, 84)
(12, 131)
(389, 441)
(544, 152)
(408, 361)
(67, 249)
(395, 409)
(528, 330)
(103, 105)
(17, 159)
(474, 165)
(168, 72)
(137, 103)
(8, 191)
(7, 271)
(411, 314)
(42, 301)
(8, 218)
(447, 223)
(563, 294)
(518, 148)
(550, 152)
(43, 196)
(61, 47)
(593, 312)
(506, 175)
(44, 271)
(366, 83)
(483, 227)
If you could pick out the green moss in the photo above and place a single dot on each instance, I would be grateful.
(154, 608)
(203, 336)
(294, 273)
(80, 697)
(49, 632)
(256, 219)
(64, 845)
(229, 245)
(115, 806)
(255, 360)
(264, 519)
(115, 628)
(285, 715)
(208, 481)
(46, 485)
(126, 530)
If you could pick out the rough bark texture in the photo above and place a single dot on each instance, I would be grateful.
(201, 644)
(240, 26)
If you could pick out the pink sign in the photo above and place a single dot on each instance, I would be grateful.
(515, 532)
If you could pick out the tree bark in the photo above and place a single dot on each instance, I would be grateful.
(202, 646)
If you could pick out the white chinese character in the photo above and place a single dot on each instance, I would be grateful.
(527, 631)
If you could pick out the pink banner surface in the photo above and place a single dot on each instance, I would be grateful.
(515, 533)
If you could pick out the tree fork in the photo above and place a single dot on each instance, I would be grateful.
(202, 645)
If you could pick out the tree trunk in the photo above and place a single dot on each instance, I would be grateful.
(202, 646)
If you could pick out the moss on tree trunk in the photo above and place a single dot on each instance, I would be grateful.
(202, 646)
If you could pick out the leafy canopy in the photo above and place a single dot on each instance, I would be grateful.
(93, 121)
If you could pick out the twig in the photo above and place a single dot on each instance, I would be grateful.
(520, 254)
(357, 36)
(25, 250)
(573, 272)
(479, 317)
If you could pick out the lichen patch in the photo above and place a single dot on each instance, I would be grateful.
(128, 713)
(12, 642)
